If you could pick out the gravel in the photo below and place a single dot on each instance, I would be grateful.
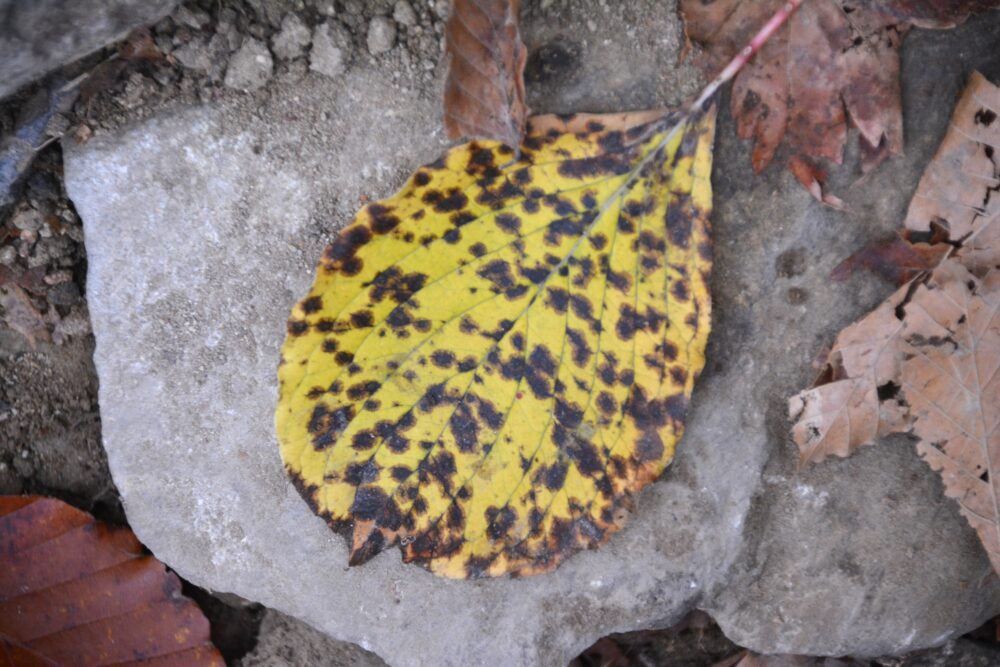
(381, 35)
(251, 66)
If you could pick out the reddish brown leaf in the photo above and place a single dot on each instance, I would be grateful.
(897, 261)
(812, 178)
(484, 91)
(835, 62)
(74, 591)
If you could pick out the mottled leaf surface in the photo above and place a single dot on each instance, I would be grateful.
(74, 591)
(494, 360)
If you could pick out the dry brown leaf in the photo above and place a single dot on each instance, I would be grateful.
(17, 312)
(484, 92)
(835, 60)
(74, 591)
(897, 261)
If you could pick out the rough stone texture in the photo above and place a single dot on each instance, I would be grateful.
(36, 36)
(293, 39)
(202, 230)
(381, 35)
(287, 642)
(331, 49)
(250, 67)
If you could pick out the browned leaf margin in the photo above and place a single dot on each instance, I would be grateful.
(927, 360)
(75, 591)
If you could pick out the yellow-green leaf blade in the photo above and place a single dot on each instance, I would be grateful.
(491, 362)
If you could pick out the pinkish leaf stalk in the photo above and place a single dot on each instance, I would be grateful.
(737, 63)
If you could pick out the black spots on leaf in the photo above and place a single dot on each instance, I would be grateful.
(361, 390)
(578, 450)
(452, 236)
(435, 395)
(588, 201)
(612, 142)
(705, 251)
(455, 517)
(467, 325)
(343, 358)
(552, 476)
(531, 205)
(477, 249)
(656, 413)
(518, 341)
(542, 360)
(606, 403)
(442, 358)
(362, 319)
(650, 242)
(477, 567)
(453, 200)
(621, 281)
(358, 474)
(607, 373)
(678, 220)
(498, 272)
(489, 414)
(503, 326)
(383, 221)
(421, 178)
(419, 505)
(584, 271)
(601, 165)
(499, 521)
(625, 225)
(297, 327)
(536, 274)
(678, 375)
(372, 504)
(400, 473)
(464, 428)
(315, 393)
(462, 218)
(629, 321)
(637, 209)
(313, 304)
(571, 227)
(363, 440)
(326, 425)
(679, 290)
(440, 467)
(341, 255)
(330, 346)
(598, 241)
(467, 364)
(649, 447)
(985, 117)
(325, 325)
(579, 346)
(557, 298)
(395, 285)
(568, 414)
(582, 307)
(508, 223)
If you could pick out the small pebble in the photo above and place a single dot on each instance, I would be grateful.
(331, 49)
(27, 219)
(403, 13)
(8, 255)
(251, 66)
(381, 35)
(293, 39)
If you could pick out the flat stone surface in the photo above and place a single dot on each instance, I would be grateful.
(37, 36)
(202, 231)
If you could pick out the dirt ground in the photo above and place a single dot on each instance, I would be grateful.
(50, 427)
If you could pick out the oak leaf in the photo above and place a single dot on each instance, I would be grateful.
(484, 91)
(74, 591)
(492, 362)
(837, 61)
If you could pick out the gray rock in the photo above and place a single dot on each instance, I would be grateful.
(403, 13)
(27, 218)
(286, 641)
(250, 67)
(381, 35)
(203, 229)
(293, 39)
(38, 36)
(195, 55)
(331, 49)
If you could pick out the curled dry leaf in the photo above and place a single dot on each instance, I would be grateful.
(494, 360)
(74, 591)
(930, 358)
(836, 61)
(484, 91)
(897, 261)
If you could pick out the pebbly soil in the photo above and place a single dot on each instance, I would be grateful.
(50, 429)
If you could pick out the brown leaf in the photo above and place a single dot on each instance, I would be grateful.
(74, 591)
(854, 400)
(822, 66)
(959, 191)
(930, 13)
(20, 314)
(484, 91)
(812, 178)
(897, 261)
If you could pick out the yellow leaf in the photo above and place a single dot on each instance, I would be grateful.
(494, 360)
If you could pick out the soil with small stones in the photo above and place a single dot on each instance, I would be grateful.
(50, 431)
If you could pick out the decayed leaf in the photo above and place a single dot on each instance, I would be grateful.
(494, 360)
(21, 315)
(74, 591)
(857, 397)
(836, 60)
(484, 91)
(897, 261)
